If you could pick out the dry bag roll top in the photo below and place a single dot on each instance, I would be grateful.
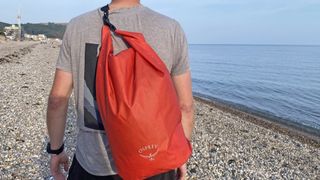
(139, 107)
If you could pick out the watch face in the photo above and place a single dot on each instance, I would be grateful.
(49, 149)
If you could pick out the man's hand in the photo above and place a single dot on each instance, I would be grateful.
(182, 172)
(56, 162)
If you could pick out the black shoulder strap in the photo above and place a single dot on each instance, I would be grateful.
(106, 20)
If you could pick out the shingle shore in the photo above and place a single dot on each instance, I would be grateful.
(226, 146)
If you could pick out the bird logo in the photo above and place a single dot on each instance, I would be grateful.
(149, 152)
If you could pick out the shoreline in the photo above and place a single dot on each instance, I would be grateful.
(272, 123)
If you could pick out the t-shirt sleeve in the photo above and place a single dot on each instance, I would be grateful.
(181, 53)
(64, 59)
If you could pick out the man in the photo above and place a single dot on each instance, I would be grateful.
(75, 69)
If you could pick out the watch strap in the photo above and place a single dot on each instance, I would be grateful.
(57, 151)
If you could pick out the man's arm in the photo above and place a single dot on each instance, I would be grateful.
(56, 120)
(183, 87)
(58, 106)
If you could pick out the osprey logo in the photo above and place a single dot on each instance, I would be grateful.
(149, 151)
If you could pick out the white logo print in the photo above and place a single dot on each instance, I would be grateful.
(149, 151)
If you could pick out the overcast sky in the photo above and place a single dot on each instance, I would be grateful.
(204, 21)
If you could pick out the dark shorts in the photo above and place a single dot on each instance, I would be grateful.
(76, 172)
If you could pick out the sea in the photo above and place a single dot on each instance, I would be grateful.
(278, 82)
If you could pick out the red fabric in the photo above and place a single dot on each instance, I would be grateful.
(139, 108)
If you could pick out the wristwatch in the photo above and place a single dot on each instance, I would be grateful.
(57, 152)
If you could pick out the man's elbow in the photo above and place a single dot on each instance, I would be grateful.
(187, 107)
(57, 102)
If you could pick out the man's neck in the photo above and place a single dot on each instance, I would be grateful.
(117, 4)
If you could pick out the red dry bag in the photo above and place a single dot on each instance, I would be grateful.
(139, 108)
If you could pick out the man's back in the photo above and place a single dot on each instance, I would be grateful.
(79, 56)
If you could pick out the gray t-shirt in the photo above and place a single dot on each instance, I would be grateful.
(78, 55)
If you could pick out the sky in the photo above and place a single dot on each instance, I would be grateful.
(204, 21)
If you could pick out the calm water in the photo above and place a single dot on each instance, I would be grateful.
(274, 81)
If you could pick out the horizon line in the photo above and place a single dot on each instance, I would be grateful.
(221, 44)
(253, 44)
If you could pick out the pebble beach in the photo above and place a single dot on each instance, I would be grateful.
(227, 144)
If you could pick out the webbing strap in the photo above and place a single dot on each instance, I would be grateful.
(106, 20)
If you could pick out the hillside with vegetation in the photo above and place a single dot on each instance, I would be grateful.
(2, 25)
(51, 30)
